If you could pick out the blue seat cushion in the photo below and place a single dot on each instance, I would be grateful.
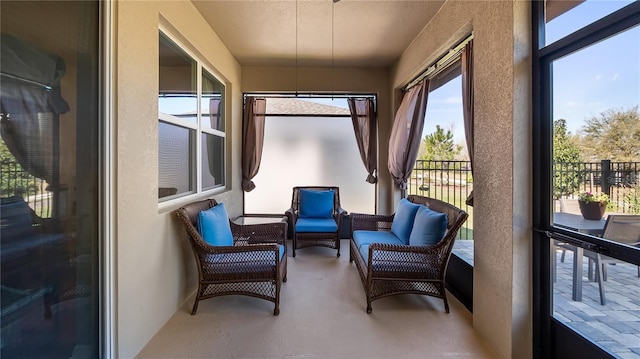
(364, 238)
(213, 225)
(316, 204)
(428, 227)
(403, 220)
(316, 225)
(242, 256)
(261, 261)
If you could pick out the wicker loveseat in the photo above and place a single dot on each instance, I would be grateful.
(388, 265)
(254, 265)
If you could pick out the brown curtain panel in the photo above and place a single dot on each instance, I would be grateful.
(365, 127)
(467, 103)
(252, 140)
(406, 132)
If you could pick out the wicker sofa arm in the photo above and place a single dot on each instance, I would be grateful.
(370, 222)
(291, 220)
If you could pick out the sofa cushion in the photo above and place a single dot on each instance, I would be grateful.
(362, 238)
(213, 225)
(316, 204)
(428, 227)
(316, 225)
(243, 257)
(403, 220)
(242, 263)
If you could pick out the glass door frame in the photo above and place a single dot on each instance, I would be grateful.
(551, 338)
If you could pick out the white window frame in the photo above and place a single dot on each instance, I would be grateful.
(171, 201)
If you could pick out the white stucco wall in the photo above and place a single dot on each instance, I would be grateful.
(502, 298)
(155, 272)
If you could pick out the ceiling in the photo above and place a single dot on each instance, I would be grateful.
(365, 32)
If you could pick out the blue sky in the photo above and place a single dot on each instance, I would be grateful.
(603, 76)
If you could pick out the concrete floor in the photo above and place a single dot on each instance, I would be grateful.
(322, 315)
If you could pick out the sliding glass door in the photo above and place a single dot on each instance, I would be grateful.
(587, 210)
(50, 158)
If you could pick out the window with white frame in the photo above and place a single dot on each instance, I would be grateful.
(191, 124)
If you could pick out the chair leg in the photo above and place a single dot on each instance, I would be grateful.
(195, 307)
(195, 304)
(446, 303)
(599, 278)
(276, 309)
(295, 242)
(338, 245)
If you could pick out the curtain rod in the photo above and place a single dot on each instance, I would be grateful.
(310, 95)
(440, 64)
(46, 86)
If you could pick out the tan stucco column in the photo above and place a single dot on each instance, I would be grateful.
(502, 298)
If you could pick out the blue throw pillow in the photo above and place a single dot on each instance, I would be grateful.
(428, 227)
(213, 225)
(403, 220)
(316, 204)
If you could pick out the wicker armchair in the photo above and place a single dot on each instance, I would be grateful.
(303, 239)
(402, 269)
(252, 266)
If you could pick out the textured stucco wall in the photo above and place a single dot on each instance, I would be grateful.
(502, 221)
(155, 272)
(340, 81)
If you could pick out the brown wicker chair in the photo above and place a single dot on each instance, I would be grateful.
(403, 269)
(252, 266)
(311, 239)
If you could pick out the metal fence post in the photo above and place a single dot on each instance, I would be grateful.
(605, 167)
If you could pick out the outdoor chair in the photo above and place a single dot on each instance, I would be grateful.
(250, 260)
(406, 252)
(619, 228)
(315, 217)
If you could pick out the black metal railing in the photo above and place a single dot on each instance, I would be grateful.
(619, 180)
(448, 181)
(15, 181)
(451, 181)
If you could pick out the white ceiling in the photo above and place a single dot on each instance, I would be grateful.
(365, 32)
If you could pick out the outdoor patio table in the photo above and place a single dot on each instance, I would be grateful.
(577, 223)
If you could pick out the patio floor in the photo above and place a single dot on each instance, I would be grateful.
(614, 326)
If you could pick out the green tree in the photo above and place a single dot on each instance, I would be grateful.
(614, 135)
(566, 160)
(439, 146)
(633, 199)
